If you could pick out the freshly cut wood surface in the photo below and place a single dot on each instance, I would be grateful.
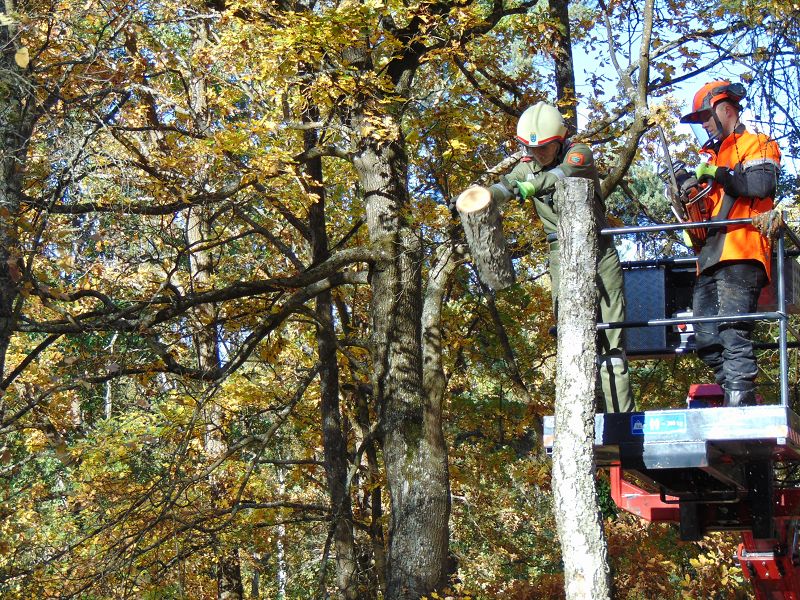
(473, 199)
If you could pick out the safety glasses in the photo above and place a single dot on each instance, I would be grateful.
(526, 150)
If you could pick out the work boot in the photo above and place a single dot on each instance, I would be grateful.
(739, 393)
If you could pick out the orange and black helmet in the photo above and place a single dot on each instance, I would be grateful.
(710, 95)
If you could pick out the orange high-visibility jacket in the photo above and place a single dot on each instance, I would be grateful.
(744, 186)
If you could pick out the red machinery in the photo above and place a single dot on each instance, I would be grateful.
(708, 467)
(771, 564)
(712, 469)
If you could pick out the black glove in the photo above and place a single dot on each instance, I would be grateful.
(688, 184)
(682, 176)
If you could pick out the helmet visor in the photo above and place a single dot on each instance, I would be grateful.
(700, 134)
(527, 151)
(544, 154)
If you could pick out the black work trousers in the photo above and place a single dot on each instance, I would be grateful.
(728, 289)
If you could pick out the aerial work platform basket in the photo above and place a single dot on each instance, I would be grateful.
(706, 467)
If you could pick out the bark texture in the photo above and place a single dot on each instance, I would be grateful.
(333, 439)
(583, 545)
(483, 229)
(16, 126)
(414, 452)
(564, 66)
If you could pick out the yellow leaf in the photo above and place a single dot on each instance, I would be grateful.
(22, 58)
(35, 440)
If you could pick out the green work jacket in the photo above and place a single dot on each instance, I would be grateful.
(574, 160)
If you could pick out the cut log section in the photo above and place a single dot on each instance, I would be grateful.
(483, 227)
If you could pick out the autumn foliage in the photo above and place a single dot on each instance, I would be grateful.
(197, 398)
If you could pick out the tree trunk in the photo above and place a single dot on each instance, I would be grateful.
(583, 546)
(433, 378)
(15, 131)
(201, 267)
(565, 69)
(416, 460)
(333, 440)
(374, 484)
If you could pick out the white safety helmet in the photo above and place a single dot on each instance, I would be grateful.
(540, 124)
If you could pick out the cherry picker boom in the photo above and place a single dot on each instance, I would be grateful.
(707, 467)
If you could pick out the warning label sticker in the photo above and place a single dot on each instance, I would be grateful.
(655, 424)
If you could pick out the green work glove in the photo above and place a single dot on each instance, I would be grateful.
(525, 189)
(705, 170)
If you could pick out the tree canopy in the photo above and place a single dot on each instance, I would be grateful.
(242, 350)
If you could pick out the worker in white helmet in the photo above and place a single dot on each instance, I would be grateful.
(548, 155)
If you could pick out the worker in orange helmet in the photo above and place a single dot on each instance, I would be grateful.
(734, 261)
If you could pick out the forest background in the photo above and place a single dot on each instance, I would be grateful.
(242, 351)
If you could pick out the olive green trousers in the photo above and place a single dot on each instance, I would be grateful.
(614, 391)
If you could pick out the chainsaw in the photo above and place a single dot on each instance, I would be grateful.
(687, 196)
